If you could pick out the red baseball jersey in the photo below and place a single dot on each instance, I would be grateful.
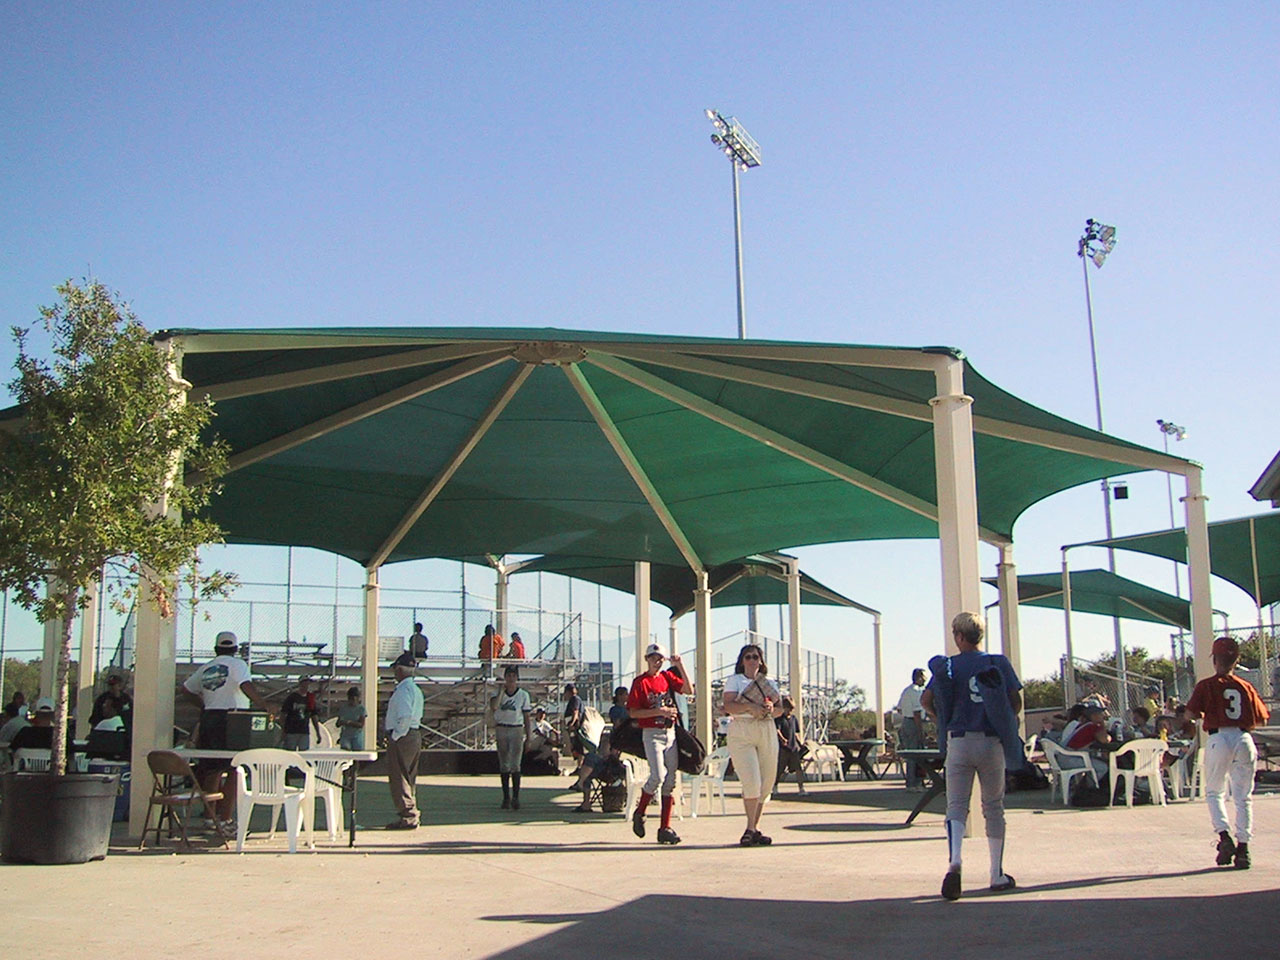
(1228, 701)
(649, 693)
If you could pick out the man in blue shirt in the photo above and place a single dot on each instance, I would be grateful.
(974, 698)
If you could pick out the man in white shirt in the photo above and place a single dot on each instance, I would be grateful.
(220, 686)
(404, 743)
(911, 733)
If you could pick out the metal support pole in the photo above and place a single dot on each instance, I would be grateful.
(369, 657)
(1198, 561)
(1070, 676)
(702, 654)
(1010, 639)
(875, 643)
(642, 571)
(88, 661)
(796, 667)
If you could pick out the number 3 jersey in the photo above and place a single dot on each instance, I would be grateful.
(1228, 701)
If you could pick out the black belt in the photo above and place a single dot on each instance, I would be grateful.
(970, 733)
(513, 726)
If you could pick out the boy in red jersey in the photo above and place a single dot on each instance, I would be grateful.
(1230, 708)
(652, 705)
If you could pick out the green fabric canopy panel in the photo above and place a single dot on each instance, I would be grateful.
(1239, 551)
(1103, 592)
(749, 581)
(387, 444)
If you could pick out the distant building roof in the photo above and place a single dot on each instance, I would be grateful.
(1267, 486)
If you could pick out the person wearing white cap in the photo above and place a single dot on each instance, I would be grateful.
(652, 705)
(39, 735)
(220, 686)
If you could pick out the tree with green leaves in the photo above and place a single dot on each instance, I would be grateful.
(92, 488)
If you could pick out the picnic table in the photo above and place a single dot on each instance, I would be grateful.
(858, 753)
(931, 762)
(349, 785)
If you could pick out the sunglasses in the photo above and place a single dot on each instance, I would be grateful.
(751, 656)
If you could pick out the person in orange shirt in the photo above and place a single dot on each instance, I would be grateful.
(1231, 708)
(491, 644)
(517, 647)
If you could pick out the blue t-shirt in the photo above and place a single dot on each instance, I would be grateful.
(967, 712)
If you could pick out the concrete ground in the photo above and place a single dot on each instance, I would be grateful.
(843, 878)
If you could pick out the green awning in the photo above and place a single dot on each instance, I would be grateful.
(752, 580)
(386, 444)
(1105, 593)
(1244, 551)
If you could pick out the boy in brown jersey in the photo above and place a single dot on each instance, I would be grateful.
(1230, 708)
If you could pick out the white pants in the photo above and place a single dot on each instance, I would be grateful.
(660, 750)
(984, 756)
(1230, 754)
(753, 745)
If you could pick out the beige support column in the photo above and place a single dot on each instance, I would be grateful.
(673, 636)
(1010, 641)
(49, 658)
(500, 601)
(1198, 562)
(1070, 677)
(154, 690)
(88, 661)
(957, 495)
(369, 660)
(642, 612)
(875, 634)
(795, 668)
(702, 669)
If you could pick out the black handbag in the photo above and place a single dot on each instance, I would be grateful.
(692, 755)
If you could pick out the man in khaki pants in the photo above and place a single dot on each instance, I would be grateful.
(404, 743)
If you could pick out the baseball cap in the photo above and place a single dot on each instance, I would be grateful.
(44, 705)
(226, 641)
(404, 660)
(1225, 646)
(655, 648)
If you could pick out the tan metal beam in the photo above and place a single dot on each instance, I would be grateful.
(477, 432)
(632, 465)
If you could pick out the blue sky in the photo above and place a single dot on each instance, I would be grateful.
(927, 171)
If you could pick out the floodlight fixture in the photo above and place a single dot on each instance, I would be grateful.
(1171, 429)
(732, 138)
(1098, 240)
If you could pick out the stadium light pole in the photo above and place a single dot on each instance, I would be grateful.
(743, 152)
(1170, 429)
(1097, 241)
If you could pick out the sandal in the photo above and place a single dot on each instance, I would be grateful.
(748, 839)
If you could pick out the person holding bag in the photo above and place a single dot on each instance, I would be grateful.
(752, 701)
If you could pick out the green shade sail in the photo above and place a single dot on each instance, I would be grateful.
(387, 444)
(755, 580)
(1245, 551)
(1105, 593)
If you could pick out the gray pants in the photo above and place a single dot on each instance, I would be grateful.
(402, 774)
(911, 737)
(660, 751)
(510, 749)
(984, 756)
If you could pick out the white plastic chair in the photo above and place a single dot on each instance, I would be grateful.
(260, 781)
(329, 734)
(329, 774)
(711, 781)
(824, 758)
(1061, 774)
(1197, 777)
(1182, 776)
(32, 760)
(1147, 754)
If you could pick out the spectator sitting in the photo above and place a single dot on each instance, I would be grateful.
(607, 769)
(1185, 726)
(19, 703)
(491, 644)
(1140, 724)
(418, 642)
(1075, 717)
(13, 722)
(39, 734)
(1170, 707)
(1092, 734)
(116, 695)
(1151, 702)
(111, 721)
(618, 714)
(517, 647)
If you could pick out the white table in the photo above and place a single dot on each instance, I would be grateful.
(357, 756)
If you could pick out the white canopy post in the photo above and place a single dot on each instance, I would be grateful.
(1198, 561)
(957, 495)
(795, 668)
(702, 670)
(642, 572)
(875, 642)
(369, 657)
(1070, 673)
(1010, 641)
(501, 581)
(52, 644)
(88, 661)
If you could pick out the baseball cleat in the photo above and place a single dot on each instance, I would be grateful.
(667, 835)
(637, 823)
(951, 885)
(1226, 849)
(1243, 862)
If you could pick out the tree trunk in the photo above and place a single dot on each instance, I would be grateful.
(60, 697)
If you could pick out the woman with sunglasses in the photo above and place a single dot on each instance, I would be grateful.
(752, 701)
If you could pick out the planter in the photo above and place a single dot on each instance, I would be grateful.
(48, 819)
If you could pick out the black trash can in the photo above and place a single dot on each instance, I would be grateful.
(49, 819)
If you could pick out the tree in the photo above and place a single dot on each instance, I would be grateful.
(91, 472)
(1038, 694)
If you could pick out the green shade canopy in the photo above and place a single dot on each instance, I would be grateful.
(1244, 551)
(751, 580)
(1105, 593)
(386, 444)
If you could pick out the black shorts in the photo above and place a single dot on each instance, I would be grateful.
(212, 736)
